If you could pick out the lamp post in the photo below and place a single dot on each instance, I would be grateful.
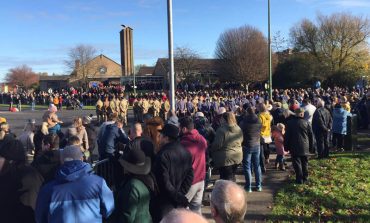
(269, 52)
(170, 54)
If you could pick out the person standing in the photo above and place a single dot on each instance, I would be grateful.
(196, 144)
(251, 127)
(136, 190)
(20, 184)
(265, 119)
(226, 150)
(299, 141)
(309, 109)
(339, 126)
(321, 127)
(75, 195)
(173, 172)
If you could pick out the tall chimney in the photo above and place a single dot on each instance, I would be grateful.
(126, 51)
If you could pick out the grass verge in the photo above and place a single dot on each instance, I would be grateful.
(338, 191)
(45, 107)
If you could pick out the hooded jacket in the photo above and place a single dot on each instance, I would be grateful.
(196, 144)
(75, 196)
(340, 120)
(226, 149)
(266, 120)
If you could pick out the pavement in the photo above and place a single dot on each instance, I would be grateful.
(259, 203)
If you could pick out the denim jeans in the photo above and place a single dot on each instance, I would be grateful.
(279, 159)
(251, 156)
(195, 196)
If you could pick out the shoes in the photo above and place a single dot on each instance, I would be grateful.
(259, 189)
(267, 160)
(276, 166)
(248, 190)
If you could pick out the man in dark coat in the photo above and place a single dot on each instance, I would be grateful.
(19, 184)
(174, 174)
(321, 125)
(299, 141)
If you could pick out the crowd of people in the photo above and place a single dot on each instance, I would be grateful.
(158, 170)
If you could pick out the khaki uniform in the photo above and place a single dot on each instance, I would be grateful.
(117, 103)
(165, 109)
(123, 106)
(112, 106)
(99, 111)
(156, 107)
(145, 106)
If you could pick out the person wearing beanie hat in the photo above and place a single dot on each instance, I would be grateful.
(20, 184)
(75, 194)
(173, 172)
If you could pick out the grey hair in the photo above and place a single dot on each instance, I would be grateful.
(320, 102)
(179, 216)
(222, 200)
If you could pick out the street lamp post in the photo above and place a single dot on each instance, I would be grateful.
(170, 54)
(269, 51)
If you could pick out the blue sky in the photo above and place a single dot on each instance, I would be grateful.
(39, 33)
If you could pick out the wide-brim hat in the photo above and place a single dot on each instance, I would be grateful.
(170, 130)
(136, 162)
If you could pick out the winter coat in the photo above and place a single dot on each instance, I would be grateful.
(196, 144)
(112, 135)
(265, 119)
(132, 204)
(47, 164)
(321, 121)
(278, 115)
(279, 142)
(174, 175)
(18, 193)
(309, 112)
(82, 135)
(226, 149)
(75, 196)
(298, 137)
(26, 139)
(91, 135)
(340, 120)
(251, 127)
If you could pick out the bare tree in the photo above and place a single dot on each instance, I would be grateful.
(279, 42)
(186, 61)
(78, 62)
(22, 76)
(336, 41)
(244, 54)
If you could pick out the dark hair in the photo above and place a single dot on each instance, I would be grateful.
(251, 110)
(74, 140)
(187, 122)
(52, 140)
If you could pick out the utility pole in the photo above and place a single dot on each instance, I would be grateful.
(269, 51)
(170, 54)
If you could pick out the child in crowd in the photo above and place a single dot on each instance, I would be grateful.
(278, 132)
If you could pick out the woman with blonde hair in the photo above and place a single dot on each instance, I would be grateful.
(5, 134)
(77, 129)
(266, 119)
(226, 150)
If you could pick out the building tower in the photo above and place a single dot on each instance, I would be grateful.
(127, 51)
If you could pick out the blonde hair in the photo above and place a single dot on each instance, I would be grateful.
(230, 118)
(3, 130)
(77, 122)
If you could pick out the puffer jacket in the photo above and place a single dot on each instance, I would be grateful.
(75, 196)
(266, 120)
(226, 149)
(340, 120)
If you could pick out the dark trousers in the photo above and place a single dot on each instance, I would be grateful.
(266, 150)
(262, 159)
(228, 172)
(300, 165)
(322, 144)
(338, 140)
